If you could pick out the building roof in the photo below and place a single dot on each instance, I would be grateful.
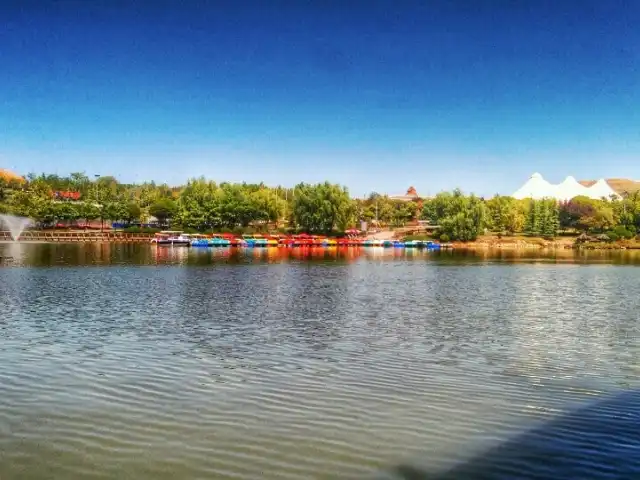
(410, 195)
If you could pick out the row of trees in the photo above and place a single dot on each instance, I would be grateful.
(464, 217)
(322, 208)
(199, 205)
(102, 199)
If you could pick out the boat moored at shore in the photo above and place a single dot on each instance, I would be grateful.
(172, 239)
(177, 238)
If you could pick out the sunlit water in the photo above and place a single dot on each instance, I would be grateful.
(130, 361)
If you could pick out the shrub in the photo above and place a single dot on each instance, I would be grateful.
(613, 236)
(422, 237)
(444, 237)
(621, 232)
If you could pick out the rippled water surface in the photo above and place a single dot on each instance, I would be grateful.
(138, 362)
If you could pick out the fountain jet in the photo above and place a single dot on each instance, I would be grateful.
(16, 225)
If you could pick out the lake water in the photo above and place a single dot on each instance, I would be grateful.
(130, 361)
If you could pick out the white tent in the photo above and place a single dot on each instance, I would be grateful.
(570, 188)
(601, 189)
(537, 188)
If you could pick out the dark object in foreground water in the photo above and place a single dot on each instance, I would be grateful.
(598, 441)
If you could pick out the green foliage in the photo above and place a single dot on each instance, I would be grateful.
(322, 208)
(445, 238)
(421, 237)
(267, 205)
(587, 215)
(506, 215)
(381, 210)
(460, 217)
(163, 209)
(621, 232)
(131, 212)
(325, 208)
(198, 206)
(613, 236)
(543, 218)
(626, 212)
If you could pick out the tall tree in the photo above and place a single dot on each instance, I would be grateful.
(322, 208)
(163, 210)
(460, 217)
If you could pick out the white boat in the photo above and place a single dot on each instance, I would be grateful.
(172, 238)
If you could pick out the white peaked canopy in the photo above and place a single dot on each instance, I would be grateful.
(570, 188)
(537, 188)
(602, 189)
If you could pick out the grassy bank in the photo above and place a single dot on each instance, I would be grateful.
(565, 242)
(516, 242)
(422, 237)
(619, 245)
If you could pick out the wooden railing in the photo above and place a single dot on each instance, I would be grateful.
(44, 236)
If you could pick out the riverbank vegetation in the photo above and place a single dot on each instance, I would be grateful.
(465, 218)
(203, 205)
(200, 205)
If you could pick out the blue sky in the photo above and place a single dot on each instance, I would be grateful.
(371, 94)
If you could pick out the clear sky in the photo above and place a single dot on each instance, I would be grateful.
(376, 95)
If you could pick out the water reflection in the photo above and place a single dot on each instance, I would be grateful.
(291, 363)
(141, 254)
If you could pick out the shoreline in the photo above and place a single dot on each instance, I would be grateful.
(481, 246)
(539, 243)
(486, 242)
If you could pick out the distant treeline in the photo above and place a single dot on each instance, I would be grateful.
(203, 205)
(465, 217)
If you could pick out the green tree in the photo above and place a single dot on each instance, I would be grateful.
(88, 211)
(131, 212)
(163, 209)
(542, 218)
(402, 213)
(34, 201)
(586, 214)
(460, 217)
(267, 205)
(236, 206)
(322, 208)
(626, 212)
(506, 214)
(79, 182)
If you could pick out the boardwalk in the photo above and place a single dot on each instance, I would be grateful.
(74, 237)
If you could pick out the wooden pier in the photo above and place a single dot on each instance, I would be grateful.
(75, 237)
